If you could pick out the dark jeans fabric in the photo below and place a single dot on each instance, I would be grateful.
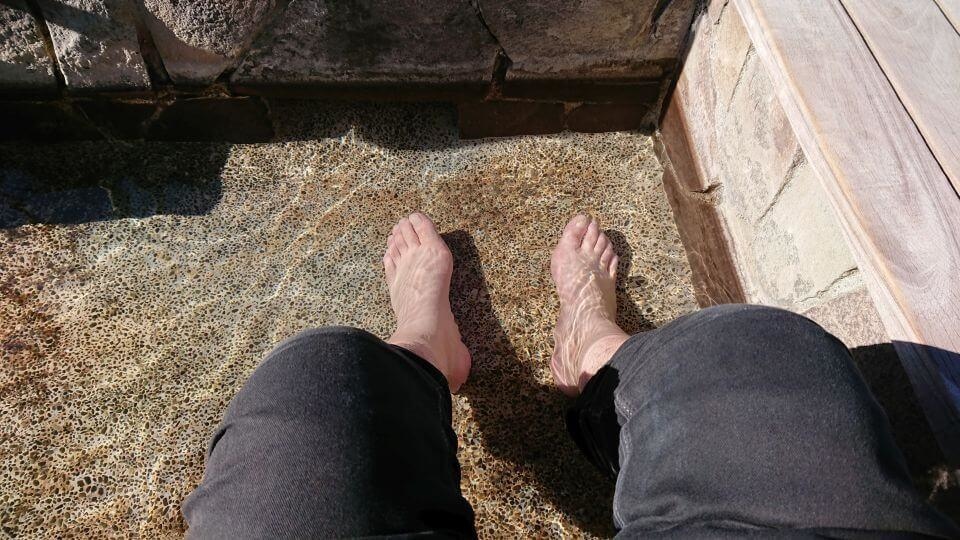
(746, 419)
(336, 434)
(733, 421)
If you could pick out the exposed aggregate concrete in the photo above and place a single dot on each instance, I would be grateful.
(159, 274)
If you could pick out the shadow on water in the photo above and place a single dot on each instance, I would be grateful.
(96, 181)
(82, 182)
(629, 316)
(520, 418)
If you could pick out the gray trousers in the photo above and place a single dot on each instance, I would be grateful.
(736, 420)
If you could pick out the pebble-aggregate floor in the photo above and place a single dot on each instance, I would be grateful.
(141, 283)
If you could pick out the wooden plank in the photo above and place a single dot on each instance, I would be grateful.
(919, 50)
(951, 8)
(898, 211)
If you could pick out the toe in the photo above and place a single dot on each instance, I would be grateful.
(590, 237)
(576, 227)
(602, 244)
(389, 267)
(408, 233)
(423, 226)
(606, 256)
(398, 241)
(394, 252)
(614, 263)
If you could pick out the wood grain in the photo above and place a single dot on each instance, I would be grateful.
(899, 212)
(951, 8)
(919, 51)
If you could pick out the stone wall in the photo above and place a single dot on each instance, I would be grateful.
(751, 209)
(589, 65)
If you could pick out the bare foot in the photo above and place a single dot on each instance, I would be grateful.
(584, 268)
(418, 265)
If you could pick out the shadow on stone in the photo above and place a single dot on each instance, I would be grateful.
(96, 181)
(520, 418)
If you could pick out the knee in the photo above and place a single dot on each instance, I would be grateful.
(317, 338)
(777, 336)
(316, 354)
(760, 322)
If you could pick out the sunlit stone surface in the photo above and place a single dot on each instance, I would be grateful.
(141, 283)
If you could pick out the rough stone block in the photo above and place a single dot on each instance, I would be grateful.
(698, 109)
(608, 38)
(507, 118)
(197, 40)
(96, 44)
(852, 317)
(690, 116)
(238, 120)
(799, 256)
(732, 45)
(759, 147)
(24, 63)
(728, 141)
(371, 41)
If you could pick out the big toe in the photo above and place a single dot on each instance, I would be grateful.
(575, 229)
(424, 226)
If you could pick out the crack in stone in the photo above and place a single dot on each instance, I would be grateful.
(152, 61)
(799, 158)
(658, 11)
(501, 62)
(723, 8)
(709, 195)
(713, 186)
(751, 52)
(34, 8)
(819, 294)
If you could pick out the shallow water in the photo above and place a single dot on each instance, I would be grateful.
(141, 283)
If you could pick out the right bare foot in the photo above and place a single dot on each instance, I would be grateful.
(584, 268)
(418, 265)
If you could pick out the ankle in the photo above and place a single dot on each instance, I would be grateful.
(422, 344)
(599, 352)
(415, 342)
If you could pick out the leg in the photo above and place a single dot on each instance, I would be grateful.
(732, 419)
(741, 417)
(336, 434)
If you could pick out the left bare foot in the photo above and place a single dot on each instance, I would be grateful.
(418, 265)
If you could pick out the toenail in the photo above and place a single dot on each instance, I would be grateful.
(415, 218)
